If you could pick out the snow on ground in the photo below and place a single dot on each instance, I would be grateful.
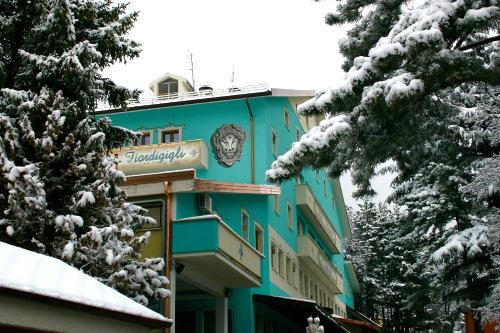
(36, 273)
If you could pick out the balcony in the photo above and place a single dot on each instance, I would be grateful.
(154, 158)
(314, 259)
(311, 208)
(209, 248)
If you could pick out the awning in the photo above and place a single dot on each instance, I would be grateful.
(298, 310)
(358, 322)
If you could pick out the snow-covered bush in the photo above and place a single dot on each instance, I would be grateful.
(59, 191)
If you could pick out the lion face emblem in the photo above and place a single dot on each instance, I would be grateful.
(227, 143)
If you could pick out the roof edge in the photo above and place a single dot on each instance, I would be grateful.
(150, 322)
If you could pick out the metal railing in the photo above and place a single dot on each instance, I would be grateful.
(192, 95)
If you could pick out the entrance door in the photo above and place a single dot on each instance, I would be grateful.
(185, 322)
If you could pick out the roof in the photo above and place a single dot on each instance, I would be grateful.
(26, 273)
(197, 97)
(167, 76)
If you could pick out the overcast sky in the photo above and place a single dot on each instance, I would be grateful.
(284, 43)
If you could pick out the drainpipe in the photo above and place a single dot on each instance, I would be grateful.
(252, 141)
(167, 311)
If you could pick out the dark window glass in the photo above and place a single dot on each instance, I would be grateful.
(145, 139)
(169, 86)
(170, 136)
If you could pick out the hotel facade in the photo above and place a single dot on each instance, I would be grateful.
(243, 255)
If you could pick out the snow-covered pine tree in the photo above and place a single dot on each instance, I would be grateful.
(420, 90)
(383, 263)
(58, 184)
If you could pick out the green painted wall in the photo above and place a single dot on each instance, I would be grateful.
(199, 121)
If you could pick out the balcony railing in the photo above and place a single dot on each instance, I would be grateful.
(203, 237)
(317, 262)
(192, 95)
(312, 210)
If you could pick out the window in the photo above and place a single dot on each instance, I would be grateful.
(259, 237)
(281, 262)
(275, 143)
(244, 224)
(169, 86)
(276, 203)
(288, 269)
(145, 139)
(297, 134)
(324, 187)
(274, 256)
(301, 282)
(294, 273)
(300, 227)
(286, 116)
(306, 286)
(155, 210)
(289, 211)
(333, 201)
(170, 135)
(317, 176)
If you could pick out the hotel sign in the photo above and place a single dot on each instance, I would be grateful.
(162, 157)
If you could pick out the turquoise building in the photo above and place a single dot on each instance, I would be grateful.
(245, 255)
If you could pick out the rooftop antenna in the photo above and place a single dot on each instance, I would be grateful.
(232, 79)
(191, 67)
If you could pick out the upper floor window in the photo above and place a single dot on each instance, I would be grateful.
(170, 135)
(275, 143)
(300, 227)
(297, 134)
(145, 139)
(259, 237)
(245, 218)
(289, 210)
(288, 269)
(169, 86)
(281, 262)
(286, 116)
(324, 187)
(276, 203)
(274, 256)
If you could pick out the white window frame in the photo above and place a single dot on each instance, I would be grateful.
(281, 262)
(247, 236)
(274, 256)
(289, 216)
(286, 117)
(259, 243)
(294, 274)
(274, 143)
(276, 203)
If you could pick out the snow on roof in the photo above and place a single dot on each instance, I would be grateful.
(39, 274)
